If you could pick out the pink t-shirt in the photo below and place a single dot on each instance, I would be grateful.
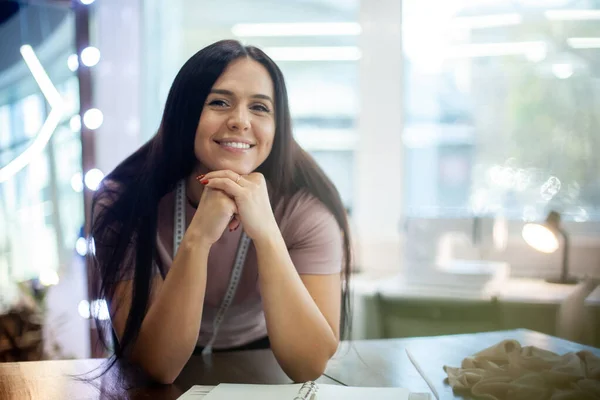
(314, 242)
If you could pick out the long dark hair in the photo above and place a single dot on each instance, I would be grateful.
(125, 208)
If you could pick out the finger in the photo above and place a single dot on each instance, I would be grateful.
(234, 223)
(234, 176)
(224, 184)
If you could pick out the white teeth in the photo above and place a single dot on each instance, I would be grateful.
(236, 145)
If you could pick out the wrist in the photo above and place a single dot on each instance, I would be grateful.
(269, 238)
(196, 242)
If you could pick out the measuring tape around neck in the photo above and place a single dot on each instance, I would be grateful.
(236, 272)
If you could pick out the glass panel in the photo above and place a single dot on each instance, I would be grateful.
(40, 213)
(314, 43)
(338, 164)
(32, 113)
(502, 111)
(5, 132)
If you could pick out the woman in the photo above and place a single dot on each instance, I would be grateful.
(177, 273)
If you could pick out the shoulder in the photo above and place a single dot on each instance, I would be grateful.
(303, 215)
(300, 204)
(311, 233)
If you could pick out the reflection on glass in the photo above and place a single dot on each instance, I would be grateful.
(501, 108)
(40, 214)
(31, 111)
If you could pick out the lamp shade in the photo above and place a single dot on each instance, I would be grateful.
(543, 236)
(540, 237)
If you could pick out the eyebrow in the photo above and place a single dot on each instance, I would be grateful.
(230, 93)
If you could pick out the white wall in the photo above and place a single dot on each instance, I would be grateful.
(378, 171)
(117, 80)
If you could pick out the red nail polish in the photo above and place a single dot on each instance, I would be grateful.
(236, 228)
(231, 230)
(204, 181)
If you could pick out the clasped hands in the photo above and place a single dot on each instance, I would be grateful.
(230, 199)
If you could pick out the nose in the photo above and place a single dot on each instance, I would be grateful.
(239, 120)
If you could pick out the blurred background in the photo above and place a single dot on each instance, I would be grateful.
(447, 127)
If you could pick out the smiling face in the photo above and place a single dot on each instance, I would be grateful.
(237, 124)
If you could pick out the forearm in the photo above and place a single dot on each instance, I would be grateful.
(301, 338)
(170, 329)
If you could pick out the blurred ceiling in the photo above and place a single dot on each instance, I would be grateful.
(28, 22)
(7, 10)
(199, 14)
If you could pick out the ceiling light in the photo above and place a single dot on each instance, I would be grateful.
(486, 21)
(73, 62)
(584, 43)
(495, 49)
(90, 56)
(49, 125)
(77, 182)
(572, 15)
(93, 178)
(93, 118)
(298, 53)
(297, 29)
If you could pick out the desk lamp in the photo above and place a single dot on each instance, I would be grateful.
(544, 237)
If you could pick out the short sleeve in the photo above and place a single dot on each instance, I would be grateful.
(312, 235)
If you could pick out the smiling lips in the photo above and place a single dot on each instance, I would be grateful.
(235, 146)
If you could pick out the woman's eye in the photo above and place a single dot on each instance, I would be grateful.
(218, 103)
(260, 107)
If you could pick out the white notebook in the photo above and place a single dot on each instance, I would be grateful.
(306, 391)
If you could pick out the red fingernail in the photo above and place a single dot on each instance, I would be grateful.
(199, 177)
(204, 181)
(236, 228)
(231, 230)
